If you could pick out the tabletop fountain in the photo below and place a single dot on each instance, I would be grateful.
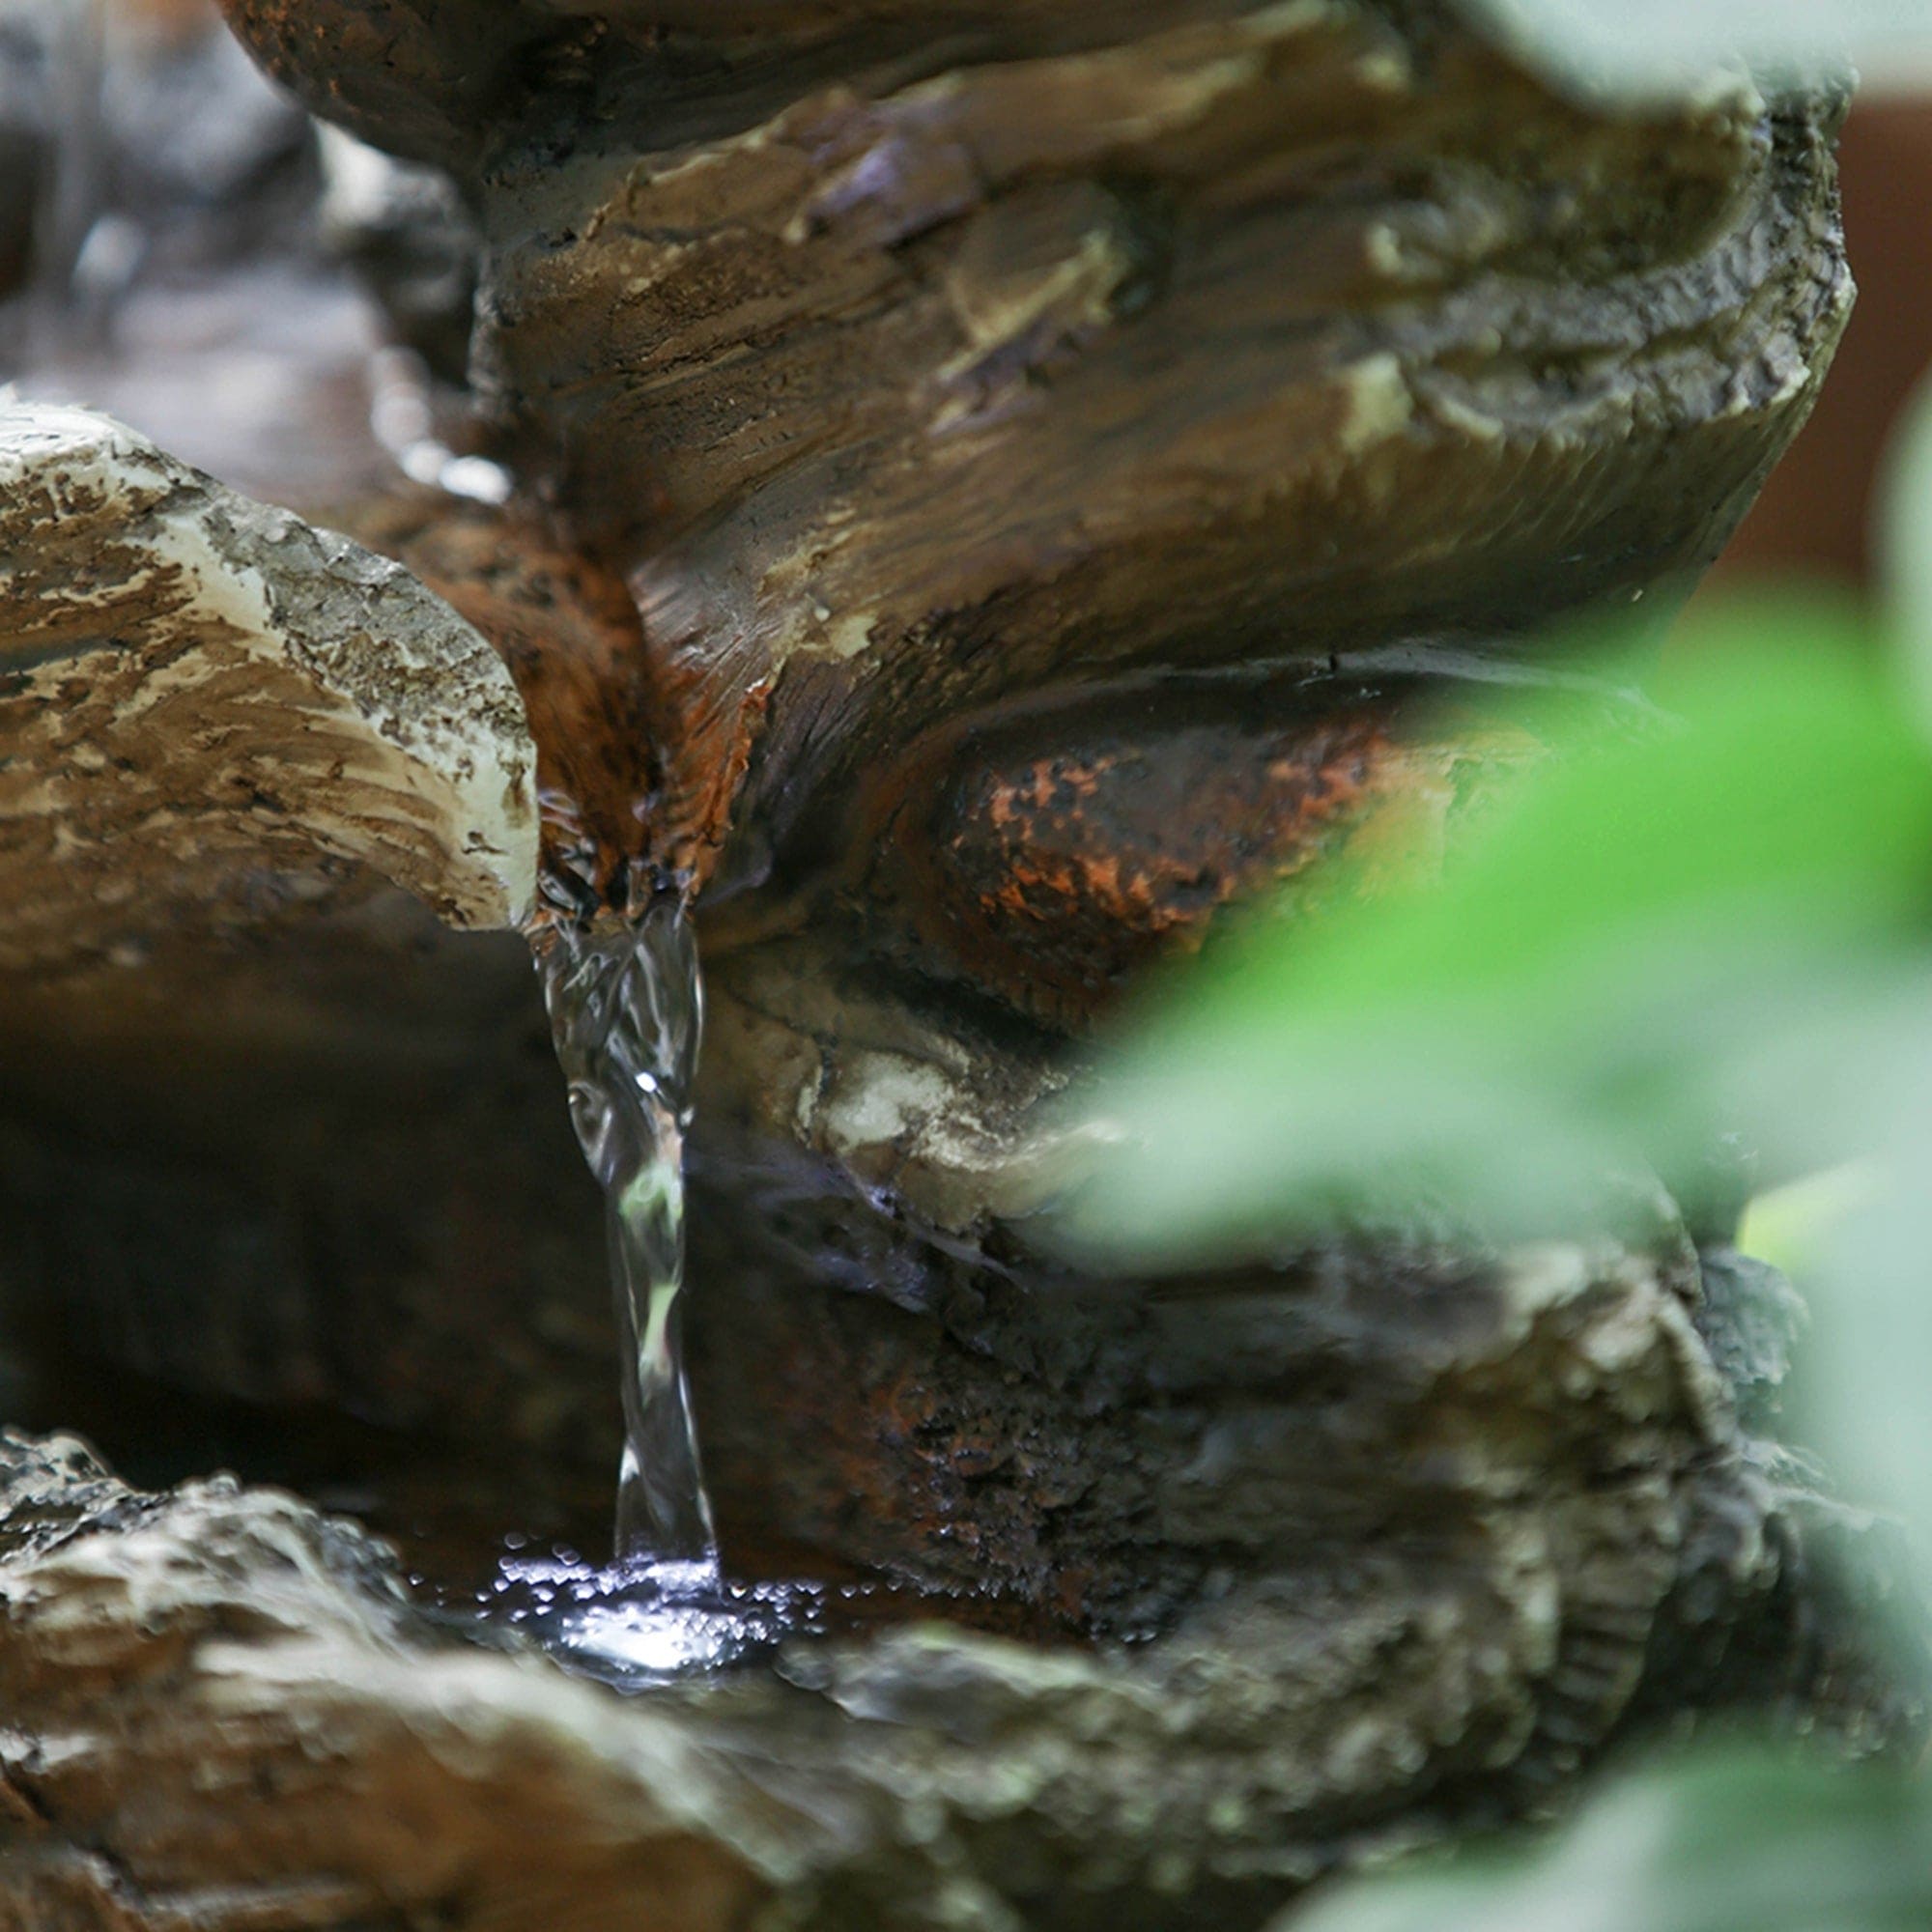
(941, 497)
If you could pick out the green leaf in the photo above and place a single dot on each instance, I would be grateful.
(1636, 924)
(1657, 47)
(1792, 1227)
(1741, 1841)
(1862, 1380)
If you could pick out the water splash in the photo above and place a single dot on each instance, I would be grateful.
(635, 1625)
(626, 1011)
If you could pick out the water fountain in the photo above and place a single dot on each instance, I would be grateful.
(626, 1008)
(1158, 358)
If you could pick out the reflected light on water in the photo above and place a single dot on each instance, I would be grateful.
(641, 1623)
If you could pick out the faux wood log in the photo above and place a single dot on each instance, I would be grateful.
(912, 361)
(222, 1710)
(205, 701)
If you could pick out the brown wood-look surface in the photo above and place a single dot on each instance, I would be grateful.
(1011, 478)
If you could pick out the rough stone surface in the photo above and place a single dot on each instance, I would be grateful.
(223, 1714)
(909, 386)
(201, 698)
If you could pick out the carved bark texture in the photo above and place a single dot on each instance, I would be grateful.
(912, 361)
(222, 1715)
(1248, 338)
(205, 701)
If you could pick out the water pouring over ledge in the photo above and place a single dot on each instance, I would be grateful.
(626, 1011)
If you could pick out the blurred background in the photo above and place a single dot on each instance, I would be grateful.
(182, 247)
(1816, 511)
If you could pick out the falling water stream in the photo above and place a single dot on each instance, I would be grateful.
(626, 1011)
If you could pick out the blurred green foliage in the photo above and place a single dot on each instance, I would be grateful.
(1733, 1842)
(1715, 917)
(1639, 920)
(1652, 47)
